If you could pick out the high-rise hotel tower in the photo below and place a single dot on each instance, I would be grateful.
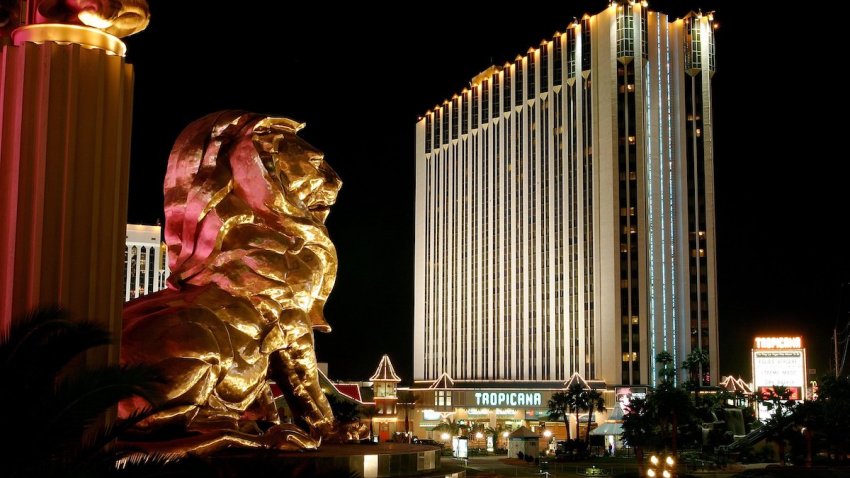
(565, 208)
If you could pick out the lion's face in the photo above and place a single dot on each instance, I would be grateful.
(303, 172)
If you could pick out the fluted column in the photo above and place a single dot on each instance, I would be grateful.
(65, 116)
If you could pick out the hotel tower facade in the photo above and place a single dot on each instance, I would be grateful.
(565, 209)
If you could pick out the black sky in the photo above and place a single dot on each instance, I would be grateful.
(359, 82)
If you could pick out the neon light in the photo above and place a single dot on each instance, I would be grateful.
(651, 227)
(661, 181)
(670, 195)
(779, 342)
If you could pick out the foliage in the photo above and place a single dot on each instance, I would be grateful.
(778, 399)
(560, 406)
(344, 409)
(370, 412)
(695, 363)
(595, 403)
(828, 417)
(452, 427)
(639, 425)
(656, 421)
(55, 411)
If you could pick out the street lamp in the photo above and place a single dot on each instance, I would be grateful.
(661, 467)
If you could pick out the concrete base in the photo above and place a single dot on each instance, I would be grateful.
(368, 461)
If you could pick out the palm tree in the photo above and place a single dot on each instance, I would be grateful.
(595, 403)
(638, 428)
(345, 410)
(778, 399)
(369, 411)
(55, 412)
(668, 403)
(694, 363)
(560, 406)
(407, 401)
(580, 404)
(452, 427)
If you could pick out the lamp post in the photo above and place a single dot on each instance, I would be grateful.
(663, 466)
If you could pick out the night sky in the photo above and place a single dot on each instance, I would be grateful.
(782, 202)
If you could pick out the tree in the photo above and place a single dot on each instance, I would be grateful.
(638, 428)
(452, 427)
(369, 411)
(669, 405)
(345, 410)
(560, 406)
(828, 417)
(55, 410)
(575, 397)
(778, 399)
(694, 363)
(595, 403)
(407, 401)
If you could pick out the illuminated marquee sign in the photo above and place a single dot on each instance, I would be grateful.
(779, 342)
(512, 399)
(779, 361)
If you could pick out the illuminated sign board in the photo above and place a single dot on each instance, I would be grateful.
(779, 368)
(512, 399)
(779, 342)
(431, 415)
(625, 394)
(779, 361)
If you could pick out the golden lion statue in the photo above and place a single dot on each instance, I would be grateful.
(251, 268)
(116, 17)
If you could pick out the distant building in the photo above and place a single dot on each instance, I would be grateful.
(565, 210)
(384, 385)
(145, 263)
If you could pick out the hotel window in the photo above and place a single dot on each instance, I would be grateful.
(496, 91)
(506, 100)
(544, 68)
(485, 101)
(444, 114)
(475, 100)
(518, 80)
(443, 398)
(557, 60)
(428, 133)
(455, 117)
(465, 115)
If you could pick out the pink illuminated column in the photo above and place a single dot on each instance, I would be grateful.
(65, 116)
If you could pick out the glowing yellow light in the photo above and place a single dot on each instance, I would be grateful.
(479, 435)
(669, 461)
(654, 460)
(650, 473)
(665, 474)
(445, 436)
(547, 434)
(505, 434)
(94, 20)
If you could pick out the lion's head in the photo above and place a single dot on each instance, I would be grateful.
(245, 204)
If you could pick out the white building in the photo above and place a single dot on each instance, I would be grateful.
(565, 208)
(145, 262)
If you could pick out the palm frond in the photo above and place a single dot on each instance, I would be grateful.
(42, 344)
(81, 399)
